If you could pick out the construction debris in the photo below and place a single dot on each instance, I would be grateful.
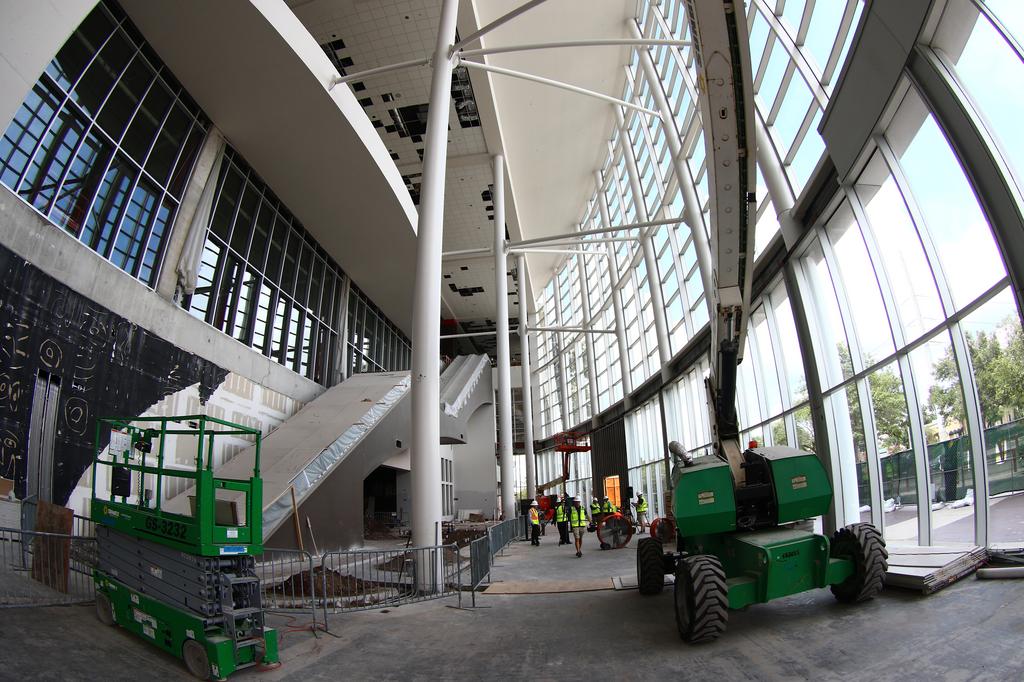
(929, 569)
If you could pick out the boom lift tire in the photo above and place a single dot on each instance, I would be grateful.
(701, 598)
(104, 609)
(650, 566)
(862, 544)
(196, 659)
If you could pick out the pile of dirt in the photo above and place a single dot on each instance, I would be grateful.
(337, 584)
(463, 536)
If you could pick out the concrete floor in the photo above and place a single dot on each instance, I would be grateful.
(970, 631)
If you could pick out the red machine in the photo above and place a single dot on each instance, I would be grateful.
(567, 443)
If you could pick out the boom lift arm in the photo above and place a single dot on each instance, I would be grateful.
(734, 546)
(727, 102)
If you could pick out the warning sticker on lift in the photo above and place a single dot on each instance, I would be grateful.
(233, 549)
(120, 442)
(143, 618)
(706, 497)
(799, 482)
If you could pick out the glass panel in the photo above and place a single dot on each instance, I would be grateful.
(92, 89)
(25, 131)
(892, 435)
(911, 279)
(945, 428)
(110, 200)
(246, 302)
(778, 432)
(186, 160)
(168, 143)
(824, 27)
(832, 351)
(996, 346)
(958, 229)
(147, 272)
(224, 213)
(768, 377)
(242, 230)
(789, 346)
(207, 269)
(80, 184)
(857, 274)
(230, 268)
(74, 56)
(261, 236)
(132, 234)
(147, 121)
(125, 97)
(39, 186)
(259, 336)
(277, 340)
(984, 65)
(847, 421)
(804, 429)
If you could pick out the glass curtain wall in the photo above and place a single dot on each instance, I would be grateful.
(374, 343)
(104, 144)
(915, 333)
(266, 282)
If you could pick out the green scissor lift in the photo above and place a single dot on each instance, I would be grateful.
(185, 579)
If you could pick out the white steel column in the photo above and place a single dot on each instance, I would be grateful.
(524, 361)
(620, 316)
(647, 244)
(692, 210)
(425, 457)
(581, 266)
(508, 500)
(779, 190)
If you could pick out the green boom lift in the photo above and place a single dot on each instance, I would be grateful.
(186, 582)
(736, 540)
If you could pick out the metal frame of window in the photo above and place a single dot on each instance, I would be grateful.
(91, 128)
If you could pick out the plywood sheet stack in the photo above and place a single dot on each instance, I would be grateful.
(929, 569)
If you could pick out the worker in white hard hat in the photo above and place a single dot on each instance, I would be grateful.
(641, 511)
(578, 521)
(562, 519)
(534, 524)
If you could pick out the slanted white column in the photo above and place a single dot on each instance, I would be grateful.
(524, 353)
(424, 450)
(620, 316)
(508, 500)
(647, 244)
(581, 266)
(691, 204)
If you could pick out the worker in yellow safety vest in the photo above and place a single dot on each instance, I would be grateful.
(595, 509)
(562, 519)
(607, 507)
(641, 511)
(578, 521)
(534, 524)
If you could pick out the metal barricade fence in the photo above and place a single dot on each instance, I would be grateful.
(290, 582)
(501, 534)
(359, 579)
(479, 563)
(45, 569)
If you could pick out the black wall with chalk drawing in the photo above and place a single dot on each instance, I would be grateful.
(106, 366)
